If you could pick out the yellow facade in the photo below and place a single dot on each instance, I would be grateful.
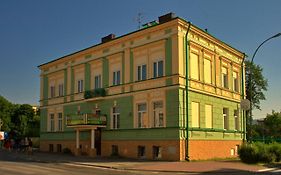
(146, 66)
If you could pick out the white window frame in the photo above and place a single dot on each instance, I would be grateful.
(52, 122)
(210, 117)
(195, 123)
(156, 66)
(225, 78)
(207, 75)
(141, 72)
(225, 118)
(236, 120)
(52, 91)
(115, 117)
(140, 115)
(158, 113)
(116, 78)
(61, 90)
(235, 82)
(194, 69)
(97, 81)
(60, 121)
(80, 86)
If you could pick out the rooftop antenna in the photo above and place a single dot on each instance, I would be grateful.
(139, 19)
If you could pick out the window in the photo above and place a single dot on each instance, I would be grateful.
(195, 114)
(59, 148)
(114, 150)
(236, 119)
(97, 81)
(116, 78)
(51, 148)
(157, 152)
(194, 66)
(115, 118)
(142, 116)
(224, 74)
(207, 71)
(225, 119)
(80, 86)
(158, 115)
(209, 116)
(142, 72)
(235, 82)
(60, 90)
(141, 151)
(53, 92)
(60, 126)
(158, 69)
(52, 122)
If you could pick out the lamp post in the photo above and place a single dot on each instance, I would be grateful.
(250, 82)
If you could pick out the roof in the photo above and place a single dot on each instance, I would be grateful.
(176, 18)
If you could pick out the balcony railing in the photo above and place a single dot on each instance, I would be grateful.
(100, 92)
(86, 119)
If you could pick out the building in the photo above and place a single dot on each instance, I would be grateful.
(127, 96)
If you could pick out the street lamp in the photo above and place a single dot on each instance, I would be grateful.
(250, 82)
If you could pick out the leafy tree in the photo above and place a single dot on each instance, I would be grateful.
(259, 84)
(22, 118)
(6, 110)
(272, 124)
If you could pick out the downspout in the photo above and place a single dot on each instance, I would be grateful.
(186, 92)
(243, 97)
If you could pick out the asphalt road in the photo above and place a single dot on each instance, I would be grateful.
(21, 164)
(16, 164)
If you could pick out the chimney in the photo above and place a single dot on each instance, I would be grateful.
(166, 18)
(107, 38)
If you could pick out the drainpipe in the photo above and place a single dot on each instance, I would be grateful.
(243, 96)
(186, 92)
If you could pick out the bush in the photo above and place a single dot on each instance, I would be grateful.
(260, 152)
(248, 153)
(275, 148)
(66, 151)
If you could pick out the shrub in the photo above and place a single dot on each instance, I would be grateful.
(275, 148)
(260, 152)
(248, 153)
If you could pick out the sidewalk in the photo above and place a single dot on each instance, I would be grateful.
(138, 165)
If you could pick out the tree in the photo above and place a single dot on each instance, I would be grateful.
(259, 84)
(255, 92)
(272, 125)
(6, 110)
(23, 118)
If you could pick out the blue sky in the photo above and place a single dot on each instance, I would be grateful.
(33, 32)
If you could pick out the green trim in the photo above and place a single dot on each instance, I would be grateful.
(88, 56)
(123, 68)
(87, 76)
(72, 85)
(105, 72)
(65, 85)
(168, 54)
(131, 66)
(45, 89)
(214, 130)
(168, 31)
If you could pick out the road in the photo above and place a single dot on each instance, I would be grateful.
(12, 163)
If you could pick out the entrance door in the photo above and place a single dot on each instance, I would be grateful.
(98, 141)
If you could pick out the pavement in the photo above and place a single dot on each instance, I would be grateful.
(220, 166)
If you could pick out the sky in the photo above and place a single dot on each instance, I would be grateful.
(33, 32)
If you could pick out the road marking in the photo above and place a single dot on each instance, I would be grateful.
(267, 169)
